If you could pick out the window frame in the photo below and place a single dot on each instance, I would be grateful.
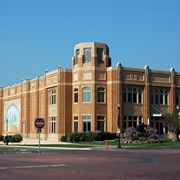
(76, 95)
(132, 95)
(101, 120)
(75, 123)
(87, 58)
(86, 123)
(52, 96)
(52, 125)
(101, 95)
(160, 96)
(86, 94)
(77, 55)
(100, 53)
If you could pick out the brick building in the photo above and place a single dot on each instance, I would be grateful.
(86, 97)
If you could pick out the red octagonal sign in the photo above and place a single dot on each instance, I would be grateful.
(39, 123)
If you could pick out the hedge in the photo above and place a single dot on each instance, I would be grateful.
(1, 137)
(88, 136)
(11, 138)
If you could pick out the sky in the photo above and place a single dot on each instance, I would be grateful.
(39, 35)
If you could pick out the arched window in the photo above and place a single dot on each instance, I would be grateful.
(12, 116)
(75, 95)
(86, 94)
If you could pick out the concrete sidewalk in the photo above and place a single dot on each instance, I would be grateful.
(27, 141)
(36, 141)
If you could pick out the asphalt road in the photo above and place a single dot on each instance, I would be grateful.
(92, 165)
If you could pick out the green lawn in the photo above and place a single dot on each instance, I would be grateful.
(165, 143)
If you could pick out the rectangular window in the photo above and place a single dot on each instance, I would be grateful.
(166, 98)
(159, 96)
(132, 121)
(129, 97)
(178, 97)
(75, 95)
(140, 96)
(152, 100)
(132, 95)
(100, 123)
(75, 126)
(87, 55)
(52, 125)
(86, 123)
(87, 94)
(77, 54)
(100, 55)
(75, 123)
(124, 96)
(134, 98)
(156, 99)
(101, 95)
(52, 96)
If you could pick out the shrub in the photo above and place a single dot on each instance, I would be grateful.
(133, 134)
(75, 137)
(152, 133)
(69, 137)
(13, 138)
(64, 138)
(108, 136)
(90, 136)
(17, 138)
(1, 137)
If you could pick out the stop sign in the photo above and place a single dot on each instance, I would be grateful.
(39, 123)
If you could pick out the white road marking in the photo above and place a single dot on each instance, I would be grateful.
(38, 166)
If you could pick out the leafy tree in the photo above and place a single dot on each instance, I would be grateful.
(173, 124)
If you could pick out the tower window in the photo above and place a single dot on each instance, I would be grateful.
(87, 94)
(100, 55)
(87, 55)
(77, 54)
(101, 95)
(75, 95)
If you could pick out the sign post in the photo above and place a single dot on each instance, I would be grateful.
(39, 124)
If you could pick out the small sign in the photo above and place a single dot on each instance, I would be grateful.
(39, 123)
(157, 115)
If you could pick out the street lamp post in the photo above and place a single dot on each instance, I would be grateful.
(118, 130)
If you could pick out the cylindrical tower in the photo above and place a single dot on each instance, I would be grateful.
(89, 69)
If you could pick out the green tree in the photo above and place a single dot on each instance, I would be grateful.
(173, 124)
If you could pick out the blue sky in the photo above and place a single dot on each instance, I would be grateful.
(41, 34)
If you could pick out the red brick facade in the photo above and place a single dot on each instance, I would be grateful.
(86, 97)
